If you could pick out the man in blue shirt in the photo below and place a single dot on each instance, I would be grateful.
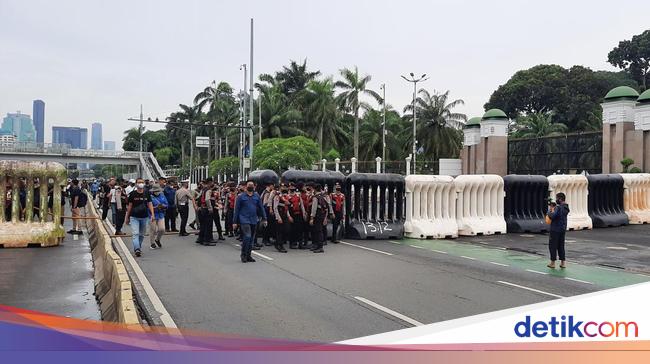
(170, 214)
(558, 213)
(248, 211)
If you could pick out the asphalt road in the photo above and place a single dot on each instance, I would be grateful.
(56, 280)
(356, 288)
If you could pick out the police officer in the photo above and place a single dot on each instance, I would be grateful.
(298, 217)
(338, 207)
(282, 218)
(306, 196)
(229, 209)
(267, 200)
(318, 218)
(205, 215)
(215, 201)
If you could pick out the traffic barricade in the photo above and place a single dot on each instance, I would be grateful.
(636, 197)
(479, 206)
(430, 207)
(18, 229)
(605, 200)
(525, 203)
(375, 206)
(263, 177)
(575, 187)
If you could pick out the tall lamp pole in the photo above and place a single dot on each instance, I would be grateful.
(383, 128)
(242, 124)
(415, 81)
(251, 120)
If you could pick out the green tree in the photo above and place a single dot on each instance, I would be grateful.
(572, 95)
(131, 140)
(537, 125)
(438, 126)
(166, 155)
(279, 119)
(634, 57)
(370, 133)
(321, 112)
(227, 165)
(353, 86)
(332, 154)
(280, 154)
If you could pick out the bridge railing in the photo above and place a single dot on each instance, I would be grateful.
(64, 149)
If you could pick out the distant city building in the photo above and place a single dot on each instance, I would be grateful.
(76, 137)
(7, 138)
(38, 113)
(96, 136)
(19, 125)
(109, 145)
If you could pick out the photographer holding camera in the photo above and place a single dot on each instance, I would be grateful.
(557, 214)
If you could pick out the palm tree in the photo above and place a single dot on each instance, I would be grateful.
(320, 112)
(371, 130)
(295, 78)
(279, 119)
(353, 86)
(439, 128)
(535, 125)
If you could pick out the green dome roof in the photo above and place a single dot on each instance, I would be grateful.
(494, 114)
(621, 92)
(645, 96)
(474, 122)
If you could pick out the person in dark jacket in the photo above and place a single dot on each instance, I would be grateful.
(557, 212)
(249, 210)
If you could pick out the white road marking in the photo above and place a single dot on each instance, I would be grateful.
(75, 237)
(466, 257)
(417, 247)
(577, 280)
(501, 264)
(530, 289)
(256, 253)
(609, 269)
(527, 236)
(366, 248)
(569, 241)
(439, 251)
(165, 317)
(389, 311)
(535, 271)
(616, 247)
(642, 275)
(395, 242)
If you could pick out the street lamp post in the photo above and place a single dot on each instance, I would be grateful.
(415, 81)
(241, 124)
(383, 129)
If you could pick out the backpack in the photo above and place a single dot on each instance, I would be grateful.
(83, 199)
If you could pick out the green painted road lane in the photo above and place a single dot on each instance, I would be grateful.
(529, 263)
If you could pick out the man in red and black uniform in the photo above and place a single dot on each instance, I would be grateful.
(298, 217)
(338, 206)
(306, 196)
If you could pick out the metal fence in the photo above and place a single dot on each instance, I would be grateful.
(570, 153)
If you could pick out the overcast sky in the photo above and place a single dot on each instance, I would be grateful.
(99, 60)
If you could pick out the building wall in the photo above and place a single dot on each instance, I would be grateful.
(76, 137)
(96, 141)
(109, 145)
(19, 125)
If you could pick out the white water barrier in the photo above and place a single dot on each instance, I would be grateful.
(430, 207)
(479, 207)
(575, 187)
(636, 197)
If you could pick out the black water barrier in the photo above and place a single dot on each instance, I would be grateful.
(263, 177)
(605, 200)
(375, 206)
(525, 203)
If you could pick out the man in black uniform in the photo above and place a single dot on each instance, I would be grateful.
(318, 217)
(215, 200)
(282, 218)
(205, 215)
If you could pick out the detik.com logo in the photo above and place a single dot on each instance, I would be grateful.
(568, 326)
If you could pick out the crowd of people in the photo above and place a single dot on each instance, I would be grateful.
(293, 214)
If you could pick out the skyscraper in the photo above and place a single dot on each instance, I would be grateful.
(96, 136)
(19, 125)
(109, 145)
(38, 112)
(76, 137)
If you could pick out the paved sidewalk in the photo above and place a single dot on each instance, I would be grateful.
(56, 280)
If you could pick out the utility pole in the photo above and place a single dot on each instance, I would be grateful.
(251, 116)
(259, 113)
(191, 150)
(242, 123)
(415, 81)
(383, 129)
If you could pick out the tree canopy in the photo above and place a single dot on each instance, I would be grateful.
(633, 56)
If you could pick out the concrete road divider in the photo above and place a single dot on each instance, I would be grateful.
(430, 207)
(526, 203)
(112, 284)
(636, 197)
(605, 200)
(479, 207)
(374, 206)
(575, 187)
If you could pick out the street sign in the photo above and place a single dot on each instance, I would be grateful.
(202, 142)
(247, 162)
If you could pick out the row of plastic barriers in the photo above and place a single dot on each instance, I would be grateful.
(444, 207)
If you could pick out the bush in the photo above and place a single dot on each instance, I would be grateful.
(332, 155)
(279, 154)
(635, 170)
(626, 163)
(224, 165)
